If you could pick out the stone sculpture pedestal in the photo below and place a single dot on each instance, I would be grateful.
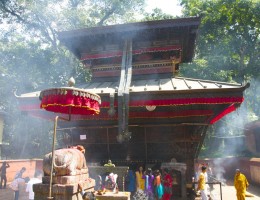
(114, 196)
(64, 187)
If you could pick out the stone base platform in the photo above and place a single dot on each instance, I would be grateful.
(63, 192)
(114, 196)
(65, 179)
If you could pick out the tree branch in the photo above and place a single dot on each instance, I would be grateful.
(107, 15)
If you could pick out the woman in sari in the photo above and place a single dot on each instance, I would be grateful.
(158, 185)
(149, 179)
(140, 182)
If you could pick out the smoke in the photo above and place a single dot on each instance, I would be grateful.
(218, 170)
(228, 139)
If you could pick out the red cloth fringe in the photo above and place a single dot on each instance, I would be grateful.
(79, 105)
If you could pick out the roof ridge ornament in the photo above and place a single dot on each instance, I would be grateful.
(71, 82)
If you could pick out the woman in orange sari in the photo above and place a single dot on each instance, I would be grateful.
(158, 185)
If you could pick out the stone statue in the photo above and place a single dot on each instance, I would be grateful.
(109, 164)
(69, 161)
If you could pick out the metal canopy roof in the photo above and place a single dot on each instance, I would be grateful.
(177, 84)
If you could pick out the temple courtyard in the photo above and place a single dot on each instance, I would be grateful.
(228, 193)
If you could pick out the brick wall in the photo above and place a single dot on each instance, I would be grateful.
(249, 166)
(31, 166)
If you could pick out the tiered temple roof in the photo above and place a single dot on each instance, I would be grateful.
(135, 71)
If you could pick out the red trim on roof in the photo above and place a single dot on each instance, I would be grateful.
(230, 109)
(183, 101)
(135, 52)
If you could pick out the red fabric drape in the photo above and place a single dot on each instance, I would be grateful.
(69, 103)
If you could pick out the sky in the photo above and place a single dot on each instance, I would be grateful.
(167, 6)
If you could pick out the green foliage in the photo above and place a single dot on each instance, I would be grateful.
(228, 42)
(228, 49)
(29, 137)
(32, 58)
(157, 14)
(229, 35)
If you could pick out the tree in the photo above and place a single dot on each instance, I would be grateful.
(32, 58)
(229, 41)
(228, 50)
(229, 35)
(157, 14)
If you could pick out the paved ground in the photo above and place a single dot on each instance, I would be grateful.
(228, 193)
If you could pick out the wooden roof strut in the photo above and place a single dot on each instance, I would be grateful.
(124, 85)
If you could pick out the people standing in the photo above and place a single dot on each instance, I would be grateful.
(210, 177)
(149, 179)
(202, 187)
(140, 182)
(99, 183)
(241, 184)
(29, 187)
(158, 185)
(17, 184)
(130, 180)
(167, 183)
(19, 174)
(3, 168)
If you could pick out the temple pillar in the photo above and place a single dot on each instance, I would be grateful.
(183, 185)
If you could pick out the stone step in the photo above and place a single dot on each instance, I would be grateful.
(63, 192)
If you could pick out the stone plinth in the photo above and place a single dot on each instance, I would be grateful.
(113, 196)
(62, 192)
(65, 179)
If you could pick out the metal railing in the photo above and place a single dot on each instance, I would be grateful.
(214, 188)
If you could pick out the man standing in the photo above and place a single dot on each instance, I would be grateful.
(241, 185)
(19, 174)
(3, 174)
(17, 184)
(202, 183)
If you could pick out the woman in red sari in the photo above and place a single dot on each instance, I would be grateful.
(167, 183)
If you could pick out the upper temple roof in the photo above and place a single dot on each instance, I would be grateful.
(95, 42)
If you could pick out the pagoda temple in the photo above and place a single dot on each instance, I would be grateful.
(148, 113)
